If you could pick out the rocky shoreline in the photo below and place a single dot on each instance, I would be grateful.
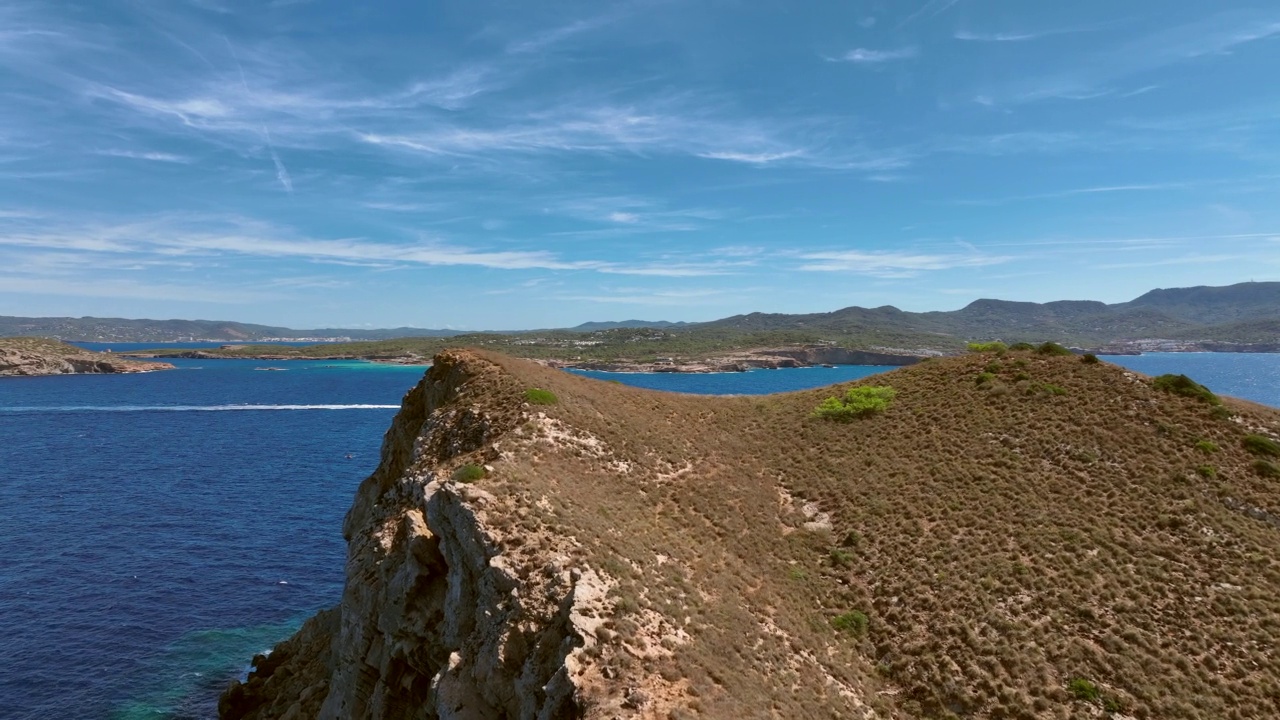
(29, 357)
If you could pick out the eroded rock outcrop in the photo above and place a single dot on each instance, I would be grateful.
(38, 356)
(436, 620)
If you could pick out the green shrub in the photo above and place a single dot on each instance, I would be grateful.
(1049, 388)
(1266, 468)
(1089, 359)
(1208, 471)
(841, 558)
(1183, 385)
(1082, 689)
(993, 367)
(1021, 376)
(983, 378)
(857, 402)
(853, 621)
(538, 396)
(1022, 346)
(995, 347)
(1261, 445)
(1222, 412)
(1052, 348)
(1207, 446)
(468, 473)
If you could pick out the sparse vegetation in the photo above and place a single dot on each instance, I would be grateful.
(988, 347)
(854, 621)
(1089, 359)
(1082, 689)
(1261, 445)
(1022, 347)
(469, 473)
(538, 396)
(1185, 386)
(1207, 446)
(1207, 471)
(1266, 468)
(1047, 389)
(857, 402)
(1052, 349)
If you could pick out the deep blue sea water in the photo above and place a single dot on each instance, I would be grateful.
(157, 530)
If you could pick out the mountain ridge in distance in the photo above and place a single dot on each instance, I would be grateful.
(1232, 313)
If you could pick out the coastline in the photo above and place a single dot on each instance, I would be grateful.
(37, 357)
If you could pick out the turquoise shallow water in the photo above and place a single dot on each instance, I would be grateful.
(158, 530)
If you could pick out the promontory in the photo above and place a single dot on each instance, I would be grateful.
(1002, 534)
(25, 356)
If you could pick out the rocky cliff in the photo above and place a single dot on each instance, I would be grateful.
(38, 356)
(1019, 536)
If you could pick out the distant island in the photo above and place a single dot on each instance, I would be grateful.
(25, 356)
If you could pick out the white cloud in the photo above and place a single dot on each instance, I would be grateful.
(892, 264)
(152, 156)
(867, 56)
(624, 217)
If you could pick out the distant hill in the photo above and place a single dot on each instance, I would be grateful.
(92, 329)
(1198, 313)
(1242, 313)
(598, 326)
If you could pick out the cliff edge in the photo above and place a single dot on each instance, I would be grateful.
(25, 356)
(1013, 536)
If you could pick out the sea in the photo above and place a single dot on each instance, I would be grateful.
(157, 530)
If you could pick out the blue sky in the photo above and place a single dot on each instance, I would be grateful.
(515, 165)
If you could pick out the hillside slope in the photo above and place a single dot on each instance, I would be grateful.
(1055, 539)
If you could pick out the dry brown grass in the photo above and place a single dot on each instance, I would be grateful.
(1003, 540)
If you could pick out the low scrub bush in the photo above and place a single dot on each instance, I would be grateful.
(857, 402)
(1089, 359)
(995, 347)
(1047, 388)
(983, 378)
(854, 621)
(469, 473)
(1082, 689)
(1207, 446)
(1266, 468)
(1022, 346)
(1183, 385)
(1208, 471)
(538, 396)
(1261, 445)
(1052, 348)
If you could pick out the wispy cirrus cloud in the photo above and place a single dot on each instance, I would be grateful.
(866, 56)
(893, 264)
(1101, 74)
(1026, 35)
(145, 155)
(931, 8)
(202, 238)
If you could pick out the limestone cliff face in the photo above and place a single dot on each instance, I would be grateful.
(436, 621)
